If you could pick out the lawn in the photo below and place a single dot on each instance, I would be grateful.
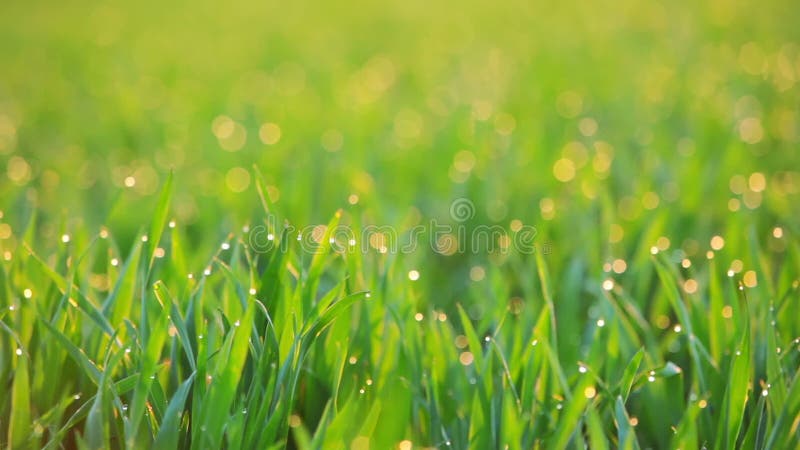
(400, 225)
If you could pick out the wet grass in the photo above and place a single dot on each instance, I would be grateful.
(176, 177)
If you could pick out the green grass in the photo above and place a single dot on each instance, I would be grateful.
(654, 148)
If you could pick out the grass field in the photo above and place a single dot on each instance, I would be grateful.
(400, 225)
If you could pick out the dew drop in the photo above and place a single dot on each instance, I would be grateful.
(601, 323)
(19, 352)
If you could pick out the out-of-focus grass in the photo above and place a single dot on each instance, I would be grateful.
(653, 146)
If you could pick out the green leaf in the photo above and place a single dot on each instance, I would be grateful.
(159, 220)
(169, 431)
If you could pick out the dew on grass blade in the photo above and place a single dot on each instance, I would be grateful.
(590, 392)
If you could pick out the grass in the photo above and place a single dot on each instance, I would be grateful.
(149, 150)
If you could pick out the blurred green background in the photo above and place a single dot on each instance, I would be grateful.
(568, 116)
